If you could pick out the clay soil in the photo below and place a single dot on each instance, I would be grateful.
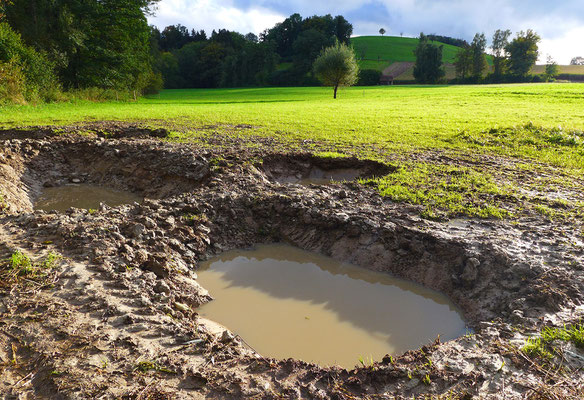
(116, 318)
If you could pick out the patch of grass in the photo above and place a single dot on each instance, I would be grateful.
(543, 347)
(330, 154)
(20, 269)
(445, 191)
(149, 365)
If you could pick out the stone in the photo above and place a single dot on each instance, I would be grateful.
(138, 230)
(162, 287)
(471, 270)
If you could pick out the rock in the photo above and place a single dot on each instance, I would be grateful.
(159, 265)
(471, 271)
(138, 230)
(162, 287)
(227, 336)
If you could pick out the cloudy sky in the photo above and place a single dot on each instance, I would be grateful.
(560, 23)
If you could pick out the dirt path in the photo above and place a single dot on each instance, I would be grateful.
(397, 68)
(116, 316)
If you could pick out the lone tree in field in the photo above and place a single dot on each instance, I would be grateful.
(551, 69)
(336, 66)
(382, 31)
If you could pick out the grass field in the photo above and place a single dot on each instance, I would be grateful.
(540, 123)
(564, 69)
(393, 48)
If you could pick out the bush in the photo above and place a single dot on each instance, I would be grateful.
(12, 86)
(369, 77)
(38, 79)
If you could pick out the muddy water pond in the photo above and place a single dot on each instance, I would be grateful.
(84, 196)
(286, 302)
(318, 176)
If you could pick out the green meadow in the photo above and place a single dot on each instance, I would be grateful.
(538, 125)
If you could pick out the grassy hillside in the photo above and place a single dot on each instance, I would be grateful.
(378, 52)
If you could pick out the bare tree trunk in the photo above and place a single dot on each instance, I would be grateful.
(336, 87)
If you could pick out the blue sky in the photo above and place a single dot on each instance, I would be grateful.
(560, 23)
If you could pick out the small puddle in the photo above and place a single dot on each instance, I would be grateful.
(84, 196)
(318, 176)
(286, 302)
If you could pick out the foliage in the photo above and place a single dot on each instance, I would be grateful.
(551, 70)
(479, 60)
(448, 40)
(500, 43)
(27, 74)
(429, 65)
(463, 62)
(368, 77)
(336, 66)
(12, 84)
(382, 31)
(523, 52)
(104, 44)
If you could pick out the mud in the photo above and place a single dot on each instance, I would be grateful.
(88, 197)
(119, 319)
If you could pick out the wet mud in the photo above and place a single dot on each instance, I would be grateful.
(118, 316)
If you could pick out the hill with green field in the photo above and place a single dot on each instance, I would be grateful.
(378, 52)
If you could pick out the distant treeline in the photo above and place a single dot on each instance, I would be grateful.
(448, 40)
(512, 59)
(191, 59)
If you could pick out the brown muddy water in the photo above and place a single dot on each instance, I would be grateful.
(84, 196)
(286, 302)
(318, 176)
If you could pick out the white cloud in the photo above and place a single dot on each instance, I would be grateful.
(563, 48)
(210, 14)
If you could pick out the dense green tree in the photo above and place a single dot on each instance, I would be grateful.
(174, 37)
(479, 60)
(429, 66)
(103, 43)
(463, 62)
(336, 66)
(500, 43)
(382, 31)
(523, 52)
(307, 48)
(343, 29)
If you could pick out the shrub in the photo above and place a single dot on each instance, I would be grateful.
(369, 77)
(12, 86)
(36, 80)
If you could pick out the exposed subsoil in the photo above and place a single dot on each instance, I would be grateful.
(119, 317)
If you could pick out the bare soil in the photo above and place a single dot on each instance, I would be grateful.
(118, 318)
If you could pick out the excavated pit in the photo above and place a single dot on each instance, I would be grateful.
(306, 169)
(51, 174)
(286, 303)
(133, 274)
